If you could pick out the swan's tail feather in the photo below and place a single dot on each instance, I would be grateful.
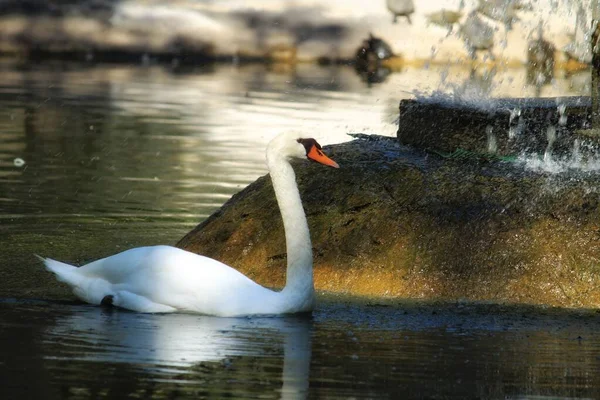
(66, 273)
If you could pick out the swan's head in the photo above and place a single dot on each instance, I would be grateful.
(294, 145)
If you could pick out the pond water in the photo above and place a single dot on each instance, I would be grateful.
(57, 350)
(95, 159)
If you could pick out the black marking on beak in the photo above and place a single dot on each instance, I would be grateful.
(309, 144)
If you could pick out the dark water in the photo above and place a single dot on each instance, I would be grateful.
(345, 350)
(97, 159)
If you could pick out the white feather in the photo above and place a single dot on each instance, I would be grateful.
(169, 279)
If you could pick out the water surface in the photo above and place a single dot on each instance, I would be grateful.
(59, 350)
(99, 159)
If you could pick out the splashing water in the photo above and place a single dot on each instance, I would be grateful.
(573, 163)
(461, 96)
(561, 152)
(515, 123)
(551, 136)
(492, 141)
(562, 120)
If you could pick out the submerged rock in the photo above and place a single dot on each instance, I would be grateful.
(396, 222)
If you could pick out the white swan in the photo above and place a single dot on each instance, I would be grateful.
(167, 279)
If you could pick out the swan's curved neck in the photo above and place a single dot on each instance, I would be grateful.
(299, 278)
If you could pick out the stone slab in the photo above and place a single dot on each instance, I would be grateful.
(505, 127)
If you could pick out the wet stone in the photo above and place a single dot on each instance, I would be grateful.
(503, 127)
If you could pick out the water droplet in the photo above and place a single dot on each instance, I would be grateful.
(18, 162)
(562, 120)
(492, 142)
(551, 136)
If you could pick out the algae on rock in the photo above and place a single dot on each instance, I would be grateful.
(396, 222)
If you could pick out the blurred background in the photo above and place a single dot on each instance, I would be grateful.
(444, 31)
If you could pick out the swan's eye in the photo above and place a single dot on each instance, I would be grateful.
(309, 144)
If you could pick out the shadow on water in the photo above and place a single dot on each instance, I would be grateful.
(62, 350)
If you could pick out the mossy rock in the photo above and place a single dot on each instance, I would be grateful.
(396, 222)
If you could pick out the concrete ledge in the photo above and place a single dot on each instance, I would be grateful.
(505, 127)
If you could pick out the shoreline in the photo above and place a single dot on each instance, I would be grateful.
(394, 64)
(186, 32)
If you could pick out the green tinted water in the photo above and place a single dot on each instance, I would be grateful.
(115, 157)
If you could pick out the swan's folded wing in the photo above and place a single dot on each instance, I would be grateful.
(180, 279)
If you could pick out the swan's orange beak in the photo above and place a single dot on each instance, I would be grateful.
(317, 155)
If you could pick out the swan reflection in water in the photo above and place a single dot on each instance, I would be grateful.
(169, 344)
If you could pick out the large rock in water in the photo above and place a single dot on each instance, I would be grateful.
(395, 222)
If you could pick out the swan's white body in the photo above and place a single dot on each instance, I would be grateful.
(168, 279)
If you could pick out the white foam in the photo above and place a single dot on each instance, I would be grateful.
(549, 164)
